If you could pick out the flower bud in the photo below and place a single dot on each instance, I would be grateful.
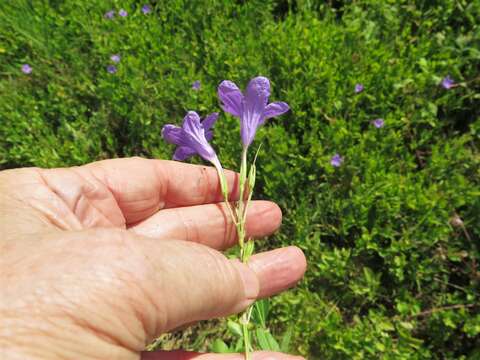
(251, 177)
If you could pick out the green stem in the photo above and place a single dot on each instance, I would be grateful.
(241, 203)
(239, 221)
(241, 216)
(246, 335)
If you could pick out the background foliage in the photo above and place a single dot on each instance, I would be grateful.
(390, 274)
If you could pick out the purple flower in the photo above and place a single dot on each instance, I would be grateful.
(110, 14)
(112, 69)
(336, 160)
(378, 123)
(196, 85)
(26, 69)
(448, 82)
(122, 13)
(193, 137)
(146, 9)
(358, 88)
(115, 58)
(252, 107)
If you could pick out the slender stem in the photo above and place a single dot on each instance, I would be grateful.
(241, 216)
(246, 334)
(239, 221)
(241, 203)
(435, 310)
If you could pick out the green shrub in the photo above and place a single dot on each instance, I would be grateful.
(390, 274)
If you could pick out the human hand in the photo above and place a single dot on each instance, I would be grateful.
(98, 260)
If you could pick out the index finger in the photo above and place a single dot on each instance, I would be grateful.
(141, 187)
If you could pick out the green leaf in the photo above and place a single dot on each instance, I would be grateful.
(219, 346)
(286, 341)
(235, 328)
(239, 345)
(266, 340)
(260, 312)
(249, 249)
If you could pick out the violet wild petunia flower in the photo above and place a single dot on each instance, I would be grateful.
(196, 85)
(359, 88)
(378, 123)
(115, 58)
(448, 82)
(193, 137)
(112, 69)
(122, 13)
(252, 107)
(110, 14)
(146, 9)
(336, 160)
(26, 69)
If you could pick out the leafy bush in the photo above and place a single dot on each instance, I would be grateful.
(391, 235)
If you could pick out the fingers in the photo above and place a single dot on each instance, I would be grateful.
(186, 355)
(211, 224)
(182, 282)
(278, 270)
(128, 289)
(141, 187)
(202, 284)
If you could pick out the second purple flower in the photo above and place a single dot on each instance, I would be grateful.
(252, 107)
(193, 137)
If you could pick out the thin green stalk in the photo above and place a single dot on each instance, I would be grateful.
(239, 222)
(241, 215)
(241, 203)
(246, 335)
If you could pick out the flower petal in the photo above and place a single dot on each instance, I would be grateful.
(207, 124)
(172, 134)
(275, 109)
(195, 137)
(183, 152)
(209, 121)
(259, 87)
(231, 97)
(191, 123)
(253, 109)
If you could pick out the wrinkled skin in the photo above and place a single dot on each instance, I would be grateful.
(98, 260)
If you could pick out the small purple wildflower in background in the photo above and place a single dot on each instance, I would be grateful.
(196, 85)
(448, 82)
(252, 107)
(110, 14)
(112, 69)
(358, 88)
(378, 123)
(193, 137)
(122, 13)
(115, 58)
(336, 160)
(146, 9)
(26, 69)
